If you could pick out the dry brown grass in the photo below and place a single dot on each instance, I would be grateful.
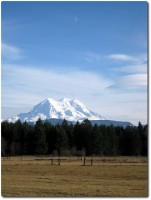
(31, 177)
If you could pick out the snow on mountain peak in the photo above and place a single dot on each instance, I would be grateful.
(69, 109)
(64, 100)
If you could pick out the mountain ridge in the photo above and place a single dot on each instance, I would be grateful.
(69, 109)
(72, 110)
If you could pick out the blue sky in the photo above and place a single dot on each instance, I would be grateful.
(93, 51)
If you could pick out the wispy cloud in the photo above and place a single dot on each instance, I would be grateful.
(129, 89)
(23, 82)
(133, 76)
(131, 82)
(11, 53)
(123, 57)
(91, 57)
(136, 68)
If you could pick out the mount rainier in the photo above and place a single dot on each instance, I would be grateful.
(70, 109)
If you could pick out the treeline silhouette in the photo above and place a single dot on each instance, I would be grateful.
(80, 139)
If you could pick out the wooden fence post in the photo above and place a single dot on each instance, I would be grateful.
(84, 161)
(91, 161)
(58, 161)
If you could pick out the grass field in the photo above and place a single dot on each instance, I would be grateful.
(36, 177)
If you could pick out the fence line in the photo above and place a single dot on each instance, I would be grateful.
(80, 161)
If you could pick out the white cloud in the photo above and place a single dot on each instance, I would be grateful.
(123, 57)
(10, 53)
(24, 85)
(132, 81)
(137, 68)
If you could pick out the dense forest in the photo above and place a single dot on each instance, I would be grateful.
(80, 139)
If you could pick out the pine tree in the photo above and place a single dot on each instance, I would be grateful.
(40, 145)
(61, 140)
(137, 143)
(8, 135)
(86, 132)
(51, 136)
(113, 141)
(144, 139)
(69, 131)
(97, 141)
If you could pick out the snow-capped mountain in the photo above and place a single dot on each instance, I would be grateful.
(69, 109)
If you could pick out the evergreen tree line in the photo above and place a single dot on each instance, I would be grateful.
(80, 139)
